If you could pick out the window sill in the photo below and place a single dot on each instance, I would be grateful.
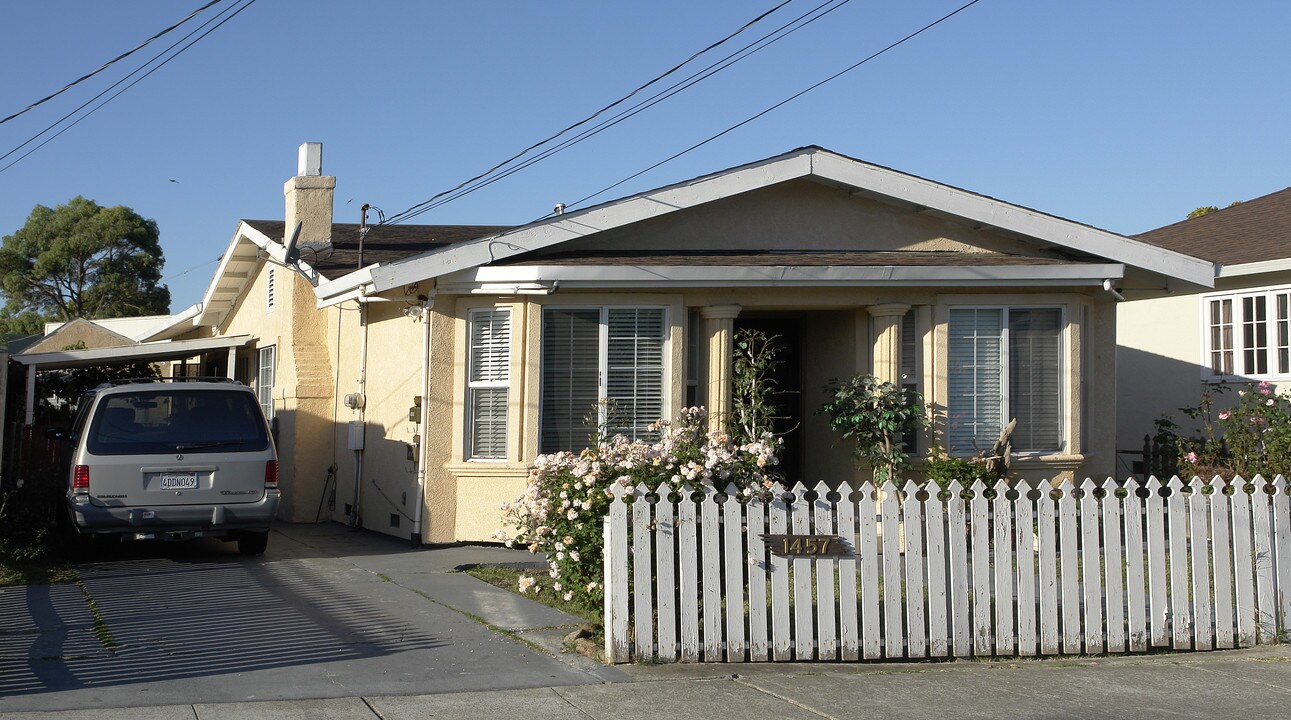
(488, 469)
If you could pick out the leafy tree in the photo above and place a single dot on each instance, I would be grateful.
(81, 260)
(1208, 209)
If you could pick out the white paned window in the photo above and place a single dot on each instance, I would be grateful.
(265, 378)
(613, 354)
(1248, 334)
(488, 383)
(1004, 363)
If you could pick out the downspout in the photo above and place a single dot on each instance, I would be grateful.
(356, 517)
(426, 306)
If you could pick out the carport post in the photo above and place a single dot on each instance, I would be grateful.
(31, 395)
(233, 362)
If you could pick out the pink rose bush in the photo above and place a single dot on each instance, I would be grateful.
(1253, 436)
(568, 494)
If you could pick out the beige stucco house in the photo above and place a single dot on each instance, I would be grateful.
(1172, 345)
(415, 380)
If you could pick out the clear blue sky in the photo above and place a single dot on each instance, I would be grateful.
(1123, 115)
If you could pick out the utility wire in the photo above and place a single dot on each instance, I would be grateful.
(109, 63)
(787, 100)
(33, 138)
(780, 33)
(402, 215)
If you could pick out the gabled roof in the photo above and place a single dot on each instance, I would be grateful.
(384, 243)
(257, 241)
(1253, 231)
(79, 329)
(814, 163)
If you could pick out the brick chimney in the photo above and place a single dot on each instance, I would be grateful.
(309, 199)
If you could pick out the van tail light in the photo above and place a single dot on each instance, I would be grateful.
(271, 474)
(81, 478)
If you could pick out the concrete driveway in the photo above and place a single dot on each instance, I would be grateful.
(326, 612)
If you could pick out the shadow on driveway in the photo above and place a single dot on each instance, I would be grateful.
(191, 614)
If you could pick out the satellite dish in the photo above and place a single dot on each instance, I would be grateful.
(292, 253)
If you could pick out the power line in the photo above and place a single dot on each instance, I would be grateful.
(748, 120)
(787, 100)
(761, 43)
(177, 53)
(109, 63)
(397, 217)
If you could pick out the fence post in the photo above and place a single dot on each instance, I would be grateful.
(616, 579)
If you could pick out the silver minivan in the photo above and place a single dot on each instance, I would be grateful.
(173, 460)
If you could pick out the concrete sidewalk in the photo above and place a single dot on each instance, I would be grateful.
(1248, 684)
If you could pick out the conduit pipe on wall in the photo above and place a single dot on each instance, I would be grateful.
(356, 517)
(428, 303)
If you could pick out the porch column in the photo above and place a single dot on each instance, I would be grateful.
(30, 416)
(231, 370)
(887, 341)
(719, 327)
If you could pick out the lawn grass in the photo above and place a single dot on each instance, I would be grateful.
(508, 578)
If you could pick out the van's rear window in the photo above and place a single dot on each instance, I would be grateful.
(177, 420)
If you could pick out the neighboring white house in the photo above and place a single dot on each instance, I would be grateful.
(1170, 346)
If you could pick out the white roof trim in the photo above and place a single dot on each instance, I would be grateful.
(512, 280)
(213, 312)
(1253, 268)
(808, 162)
(153, 351)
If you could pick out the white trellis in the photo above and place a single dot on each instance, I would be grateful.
(1030, 570)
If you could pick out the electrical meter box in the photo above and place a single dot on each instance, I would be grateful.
(356, 435)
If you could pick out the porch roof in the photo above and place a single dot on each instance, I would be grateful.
(149, 351)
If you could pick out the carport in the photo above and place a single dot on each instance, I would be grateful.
(149, 351)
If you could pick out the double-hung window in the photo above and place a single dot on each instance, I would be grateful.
(1005, 363)
(602, 368)
(488, 383)
(265, 379)
(1248, 334)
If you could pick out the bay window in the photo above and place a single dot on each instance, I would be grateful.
(602, 368)
(1004, 363)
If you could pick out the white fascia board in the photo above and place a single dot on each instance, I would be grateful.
(656, 203)
(1253, 268)
(174, 325)
(211, 312)
(346, 287)
(639, 276)
(1005, 216)
(142, 351)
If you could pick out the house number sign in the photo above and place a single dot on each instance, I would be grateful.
(809, 545)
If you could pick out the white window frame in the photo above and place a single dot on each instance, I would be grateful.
(602, 391)
(266, 376)
(1064, 407)
(502, 382)
(1246, 355)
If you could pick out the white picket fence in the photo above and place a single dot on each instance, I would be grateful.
(1032, 571)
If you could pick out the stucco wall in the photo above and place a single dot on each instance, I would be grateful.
(1160, 363)
(800, 215)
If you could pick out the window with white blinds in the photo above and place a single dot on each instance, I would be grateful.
(1004, 363)
(265, 372)
(589, 354)
(1248, 334)
(488, 383)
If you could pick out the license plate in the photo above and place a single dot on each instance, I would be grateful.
(178, 481)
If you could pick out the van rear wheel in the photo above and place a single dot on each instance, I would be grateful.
(253, 543)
